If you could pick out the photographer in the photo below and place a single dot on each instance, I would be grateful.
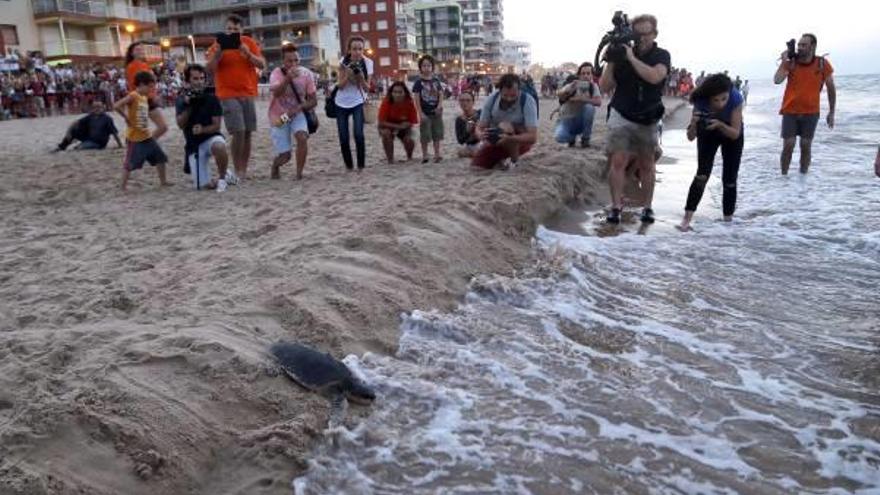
(293, 94)
(579, 99)
(466, 125)
(351, 96)
(234, 60)
(199, 114)
(508, 125)
(806, 74)
(636, 77)
(717, 122)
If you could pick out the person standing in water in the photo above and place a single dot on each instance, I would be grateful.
(806, 74)
(717, 122)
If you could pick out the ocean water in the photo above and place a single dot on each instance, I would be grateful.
(738, 358)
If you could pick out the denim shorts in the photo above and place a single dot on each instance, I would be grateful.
(282, 136)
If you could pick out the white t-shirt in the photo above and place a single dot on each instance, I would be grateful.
(351, 95)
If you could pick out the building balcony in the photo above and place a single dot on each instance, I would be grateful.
(90, 11)
(302, 18)
(81, 48)
(175, 7)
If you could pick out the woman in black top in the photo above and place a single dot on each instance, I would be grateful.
(465, 125)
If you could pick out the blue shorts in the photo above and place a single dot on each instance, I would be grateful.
(282, 136)
(144, 151)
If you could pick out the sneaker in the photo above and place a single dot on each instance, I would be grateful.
(231, 178)
(613, 216)
(647, 215)
(221, 186)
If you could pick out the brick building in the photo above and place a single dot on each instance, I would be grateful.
(389, 28)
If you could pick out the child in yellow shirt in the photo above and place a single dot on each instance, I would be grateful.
(142, 146)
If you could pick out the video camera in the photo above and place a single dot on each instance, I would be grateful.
(792, 49)
(193, 94)
(621, 35)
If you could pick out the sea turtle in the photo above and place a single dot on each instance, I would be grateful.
(322, 373)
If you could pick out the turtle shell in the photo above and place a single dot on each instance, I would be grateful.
(313, 370)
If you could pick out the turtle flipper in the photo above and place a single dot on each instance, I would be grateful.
(338, 410)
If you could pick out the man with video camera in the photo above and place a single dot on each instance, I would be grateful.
(635, 75)
(806, 74)
(199, 114)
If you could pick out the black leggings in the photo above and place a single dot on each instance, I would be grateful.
(731, 154)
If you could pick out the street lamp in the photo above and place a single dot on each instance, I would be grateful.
(192, 44)
(129, 28)
(166, 43)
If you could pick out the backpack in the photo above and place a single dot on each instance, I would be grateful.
(530, 89)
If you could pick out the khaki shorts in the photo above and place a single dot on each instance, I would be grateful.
(431, 128)
(624, 135)
(239, 114)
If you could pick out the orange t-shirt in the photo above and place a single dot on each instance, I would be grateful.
(804, 87)
(398, 113)
(133, 68)
(236, 76)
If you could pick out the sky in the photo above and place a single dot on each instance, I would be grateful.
(745, 37)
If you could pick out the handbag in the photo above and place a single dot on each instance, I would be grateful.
(330, 104)
(370, 110)
(311, 116)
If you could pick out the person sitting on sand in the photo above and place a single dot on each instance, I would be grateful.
(466, 126)
(293, 94)
(508, 125)
(397, 117)
(717, 122)
(141, 144)
(92, 131)
(199, 115)
(579, 99)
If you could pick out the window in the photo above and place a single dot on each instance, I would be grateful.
(365, 26)
(383, 43)
(381, 25)
(353, 9)
(385, 61)
(355, 27)
(381, 7)
(9, 34)
(364, 8)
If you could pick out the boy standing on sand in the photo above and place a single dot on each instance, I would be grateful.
(142, 145)
(430, 91)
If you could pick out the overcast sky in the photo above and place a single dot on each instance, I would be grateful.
(745, 37)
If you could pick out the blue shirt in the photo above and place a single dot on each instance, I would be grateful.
(725, 115)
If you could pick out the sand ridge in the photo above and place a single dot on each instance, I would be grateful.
(134, 327)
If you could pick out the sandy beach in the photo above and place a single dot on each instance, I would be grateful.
(134, 327)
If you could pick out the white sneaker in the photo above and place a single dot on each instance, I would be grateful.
(221, 186)
(231, 178)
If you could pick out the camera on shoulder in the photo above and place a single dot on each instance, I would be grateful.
(616, 40)
(792, 49)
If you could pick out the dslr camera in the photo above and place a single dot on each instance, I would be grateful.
(792, 49)
(621, 35)
(193, 94)
(493, 135)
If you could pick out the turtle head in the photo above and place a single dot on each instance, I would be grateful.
(358, 392)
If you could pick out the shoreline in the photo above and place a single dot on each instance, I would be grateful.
(135, 327)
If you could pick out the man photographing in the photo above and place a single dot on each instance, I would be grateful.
(636, 77)
(806, 74)
(199, 114)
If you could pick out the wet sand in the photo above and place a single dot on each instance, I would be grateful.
(134, 327)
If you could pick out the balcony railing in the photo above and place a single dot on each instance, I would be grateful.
(93, 8)
(81, 48)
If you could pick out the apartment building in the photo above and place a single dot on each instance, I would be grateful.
(75, 30)
(474, 39)
(493, 31)
(389, 28)
(187, 27)
(516, 56)
(439, 34)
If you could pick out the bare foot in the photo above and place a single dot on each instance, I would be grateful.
(299, 176)
(276, 172)
(438, 159)
(684, 227)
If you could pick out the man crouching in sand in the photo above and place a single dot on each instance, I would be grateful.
(508, 125)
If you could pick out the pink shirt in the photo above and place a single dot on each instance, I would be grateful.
(305, 85)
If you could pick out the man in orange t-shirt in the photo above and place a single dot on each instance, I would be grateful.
(235, 82)
(806, 74)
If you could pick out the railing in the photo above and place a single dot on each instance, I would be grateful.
(81, 48)
(79, 7)
(93, 8)
(142, 14)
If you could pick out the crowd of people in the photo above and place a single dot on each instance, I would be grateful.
(494, 136)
